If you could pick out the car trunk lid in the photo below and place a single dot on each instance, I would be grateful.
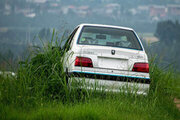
(110, 57)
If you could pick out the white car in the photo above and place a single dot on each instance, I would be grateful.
(112, 57)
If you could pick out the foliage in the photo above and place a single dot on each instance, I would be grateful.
(168, 32)
(7, 61)
(167, 48)
(45, 34)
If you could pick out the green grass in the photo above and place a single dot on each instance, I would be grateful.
(118, 108)
(39, 91)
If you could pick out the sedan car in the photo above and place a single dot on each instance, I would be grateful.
(111, 57)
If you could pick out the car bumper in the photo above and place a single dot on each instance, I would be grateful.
(112, 82)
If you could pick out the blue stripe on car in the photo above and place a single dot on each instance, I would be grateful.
(110, 74)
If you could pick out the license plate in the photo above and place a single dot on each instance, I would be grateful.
(113, 63)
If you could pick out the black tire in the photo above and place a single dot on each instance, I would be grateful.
(67, 76)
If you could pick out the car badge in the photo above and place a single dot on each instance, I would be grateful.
(113, 52)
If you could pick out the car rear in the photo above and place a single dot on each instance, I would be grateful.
(110, 56)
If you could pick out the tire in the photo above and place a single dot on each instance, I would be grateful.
(67, 76)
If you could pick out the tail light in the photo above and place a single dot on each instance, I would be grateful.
(83, 61)
(141, 67)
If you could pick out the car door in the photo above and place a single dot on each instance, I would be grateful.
(67, 48)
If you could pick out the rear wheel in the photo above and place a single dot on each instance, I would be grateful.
(67, 77)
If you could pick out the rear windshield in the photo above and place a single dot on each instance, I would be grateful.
(105, 36)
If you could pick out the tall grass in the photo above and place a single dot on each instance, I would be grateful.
(40, 91)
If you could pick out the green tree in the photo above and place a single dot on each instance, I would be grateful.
(168, 32)
(168, 46)
(45, 33)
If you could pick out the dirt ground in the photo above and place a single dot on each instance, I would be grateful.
(177, 102)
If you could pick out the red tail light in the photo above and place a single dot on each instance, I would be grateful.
(83, 61)
(141, 67)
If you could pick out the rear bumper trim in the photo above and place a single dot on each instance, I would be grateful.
(111, 77)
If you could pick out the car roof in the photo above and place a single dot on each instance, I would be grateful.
(102, 25)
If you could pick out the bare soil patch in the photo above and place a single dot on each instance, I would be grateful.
(177, 102)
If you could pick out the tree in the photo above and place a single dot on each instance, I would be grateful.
(168, 32)
(168, 47)
(45, 33)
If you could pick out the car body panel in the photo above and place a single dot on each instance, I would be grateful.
(113, 86)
